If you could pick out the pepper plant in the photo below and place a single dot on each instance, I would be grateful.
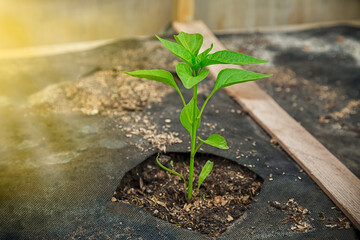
(191, 72)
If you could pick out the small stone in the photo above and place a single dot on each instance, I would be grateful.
(113, 199)
(274, 141)
(94, 112)
(229, 218)
(217, 199)
(160, 175)
(331, 225)
(168, 120)
(347, 225)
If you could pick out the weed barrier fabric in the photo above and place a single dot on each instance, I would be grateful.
(316, 80)
(60, 170)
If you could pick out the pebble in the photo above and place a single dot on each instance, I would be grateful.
(94, 112)
(160, 175)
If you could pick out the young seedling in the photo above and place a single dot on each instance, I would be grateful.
(191, 72)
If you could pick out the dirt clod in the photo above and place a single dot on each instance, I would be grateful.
(297, 215)
(106, 92)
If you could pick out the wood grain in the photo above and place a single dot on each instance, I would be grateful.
(334, 178)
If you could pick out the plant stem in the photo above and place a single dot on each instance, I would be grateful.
(173, 172)
(198, 146)
(203, 107)
(193, 142)
(181, 96)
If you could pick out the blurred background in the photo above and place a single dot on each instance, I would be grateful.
(25, 23)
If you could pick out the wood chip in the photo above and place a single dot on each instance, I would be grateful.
(217, 199)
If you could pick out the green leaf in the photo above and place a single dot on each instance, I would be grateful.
(215, 140)
(230, 57)
(178, 50)
(186, 116)
(186, 77)
(156, 75)
(231, 76)
(201, 56)
(191, 42)
(204, 173)
(171, 171)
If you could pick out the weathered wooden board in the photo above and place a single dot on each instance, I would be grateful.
(183, 10)
(337, 181)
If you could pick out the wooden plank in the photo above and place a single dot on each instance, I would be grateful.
(49, 50)
(183, 10)
(334, 178)
(289, 27)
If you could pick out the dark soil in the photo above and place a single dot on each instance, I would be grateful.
(224, 196)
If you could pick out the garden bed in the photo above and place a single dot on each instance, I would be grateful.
(62, 163)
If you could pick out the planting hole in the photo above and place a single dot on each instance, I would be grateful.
(224, 196)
